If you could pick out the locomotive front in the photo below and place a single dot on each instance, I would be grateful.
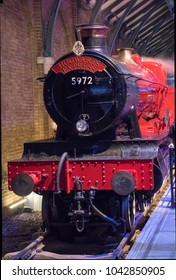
(99, 160)
(85, 92)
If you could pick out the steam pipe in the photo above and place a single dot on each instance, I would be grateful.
(103, 216)
(60, 165)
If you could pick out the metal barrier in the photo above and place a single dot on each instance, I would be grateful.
(172, 180)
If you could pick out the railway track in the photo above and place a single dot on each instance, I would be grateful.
(62, 250)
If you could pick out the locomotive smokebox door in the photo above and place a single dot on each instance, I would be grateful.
(22, 184)
(123, 183)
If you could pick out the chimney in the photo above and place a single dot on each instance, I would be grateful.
(93, 37)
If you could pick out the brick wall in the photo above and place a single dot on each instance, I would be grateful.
(23, 115)
(17, 94)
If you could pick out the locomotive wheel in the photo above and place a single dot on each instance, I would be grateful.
(46, 210)
(52, 217)
(158, 179)
(127, 209)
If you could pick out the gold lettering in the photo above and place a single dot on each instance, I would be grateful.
(82, 62)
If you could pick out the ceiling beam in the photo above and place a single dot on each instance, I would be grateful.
(118, 25)
(153, 18)
(152, 34)
(121, 9)
(160, 42)
(95, 11)
(144, 20)
(170, 4)
(48, 38)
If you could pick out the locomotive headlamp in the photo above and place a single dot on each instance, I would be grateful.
(82, 126)
(123, 182)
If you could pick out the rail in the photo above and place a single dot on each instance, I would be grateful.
(28, 252)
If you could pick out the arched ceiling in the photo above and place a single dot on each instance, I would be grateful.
(147, 26)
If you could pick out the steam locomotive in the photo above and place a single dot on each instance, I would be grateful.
(114, 117)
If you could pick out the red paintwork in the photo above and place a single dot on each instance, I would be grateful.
(92, 173)
(82, 62)
(155, 108)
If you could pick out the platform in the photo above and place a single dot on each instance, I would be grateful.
(158, 237)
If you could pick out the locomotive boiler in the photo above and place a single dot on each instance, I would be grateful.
(114, 116)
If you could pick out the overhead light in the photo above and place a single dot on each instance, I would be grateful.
(18, 203)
